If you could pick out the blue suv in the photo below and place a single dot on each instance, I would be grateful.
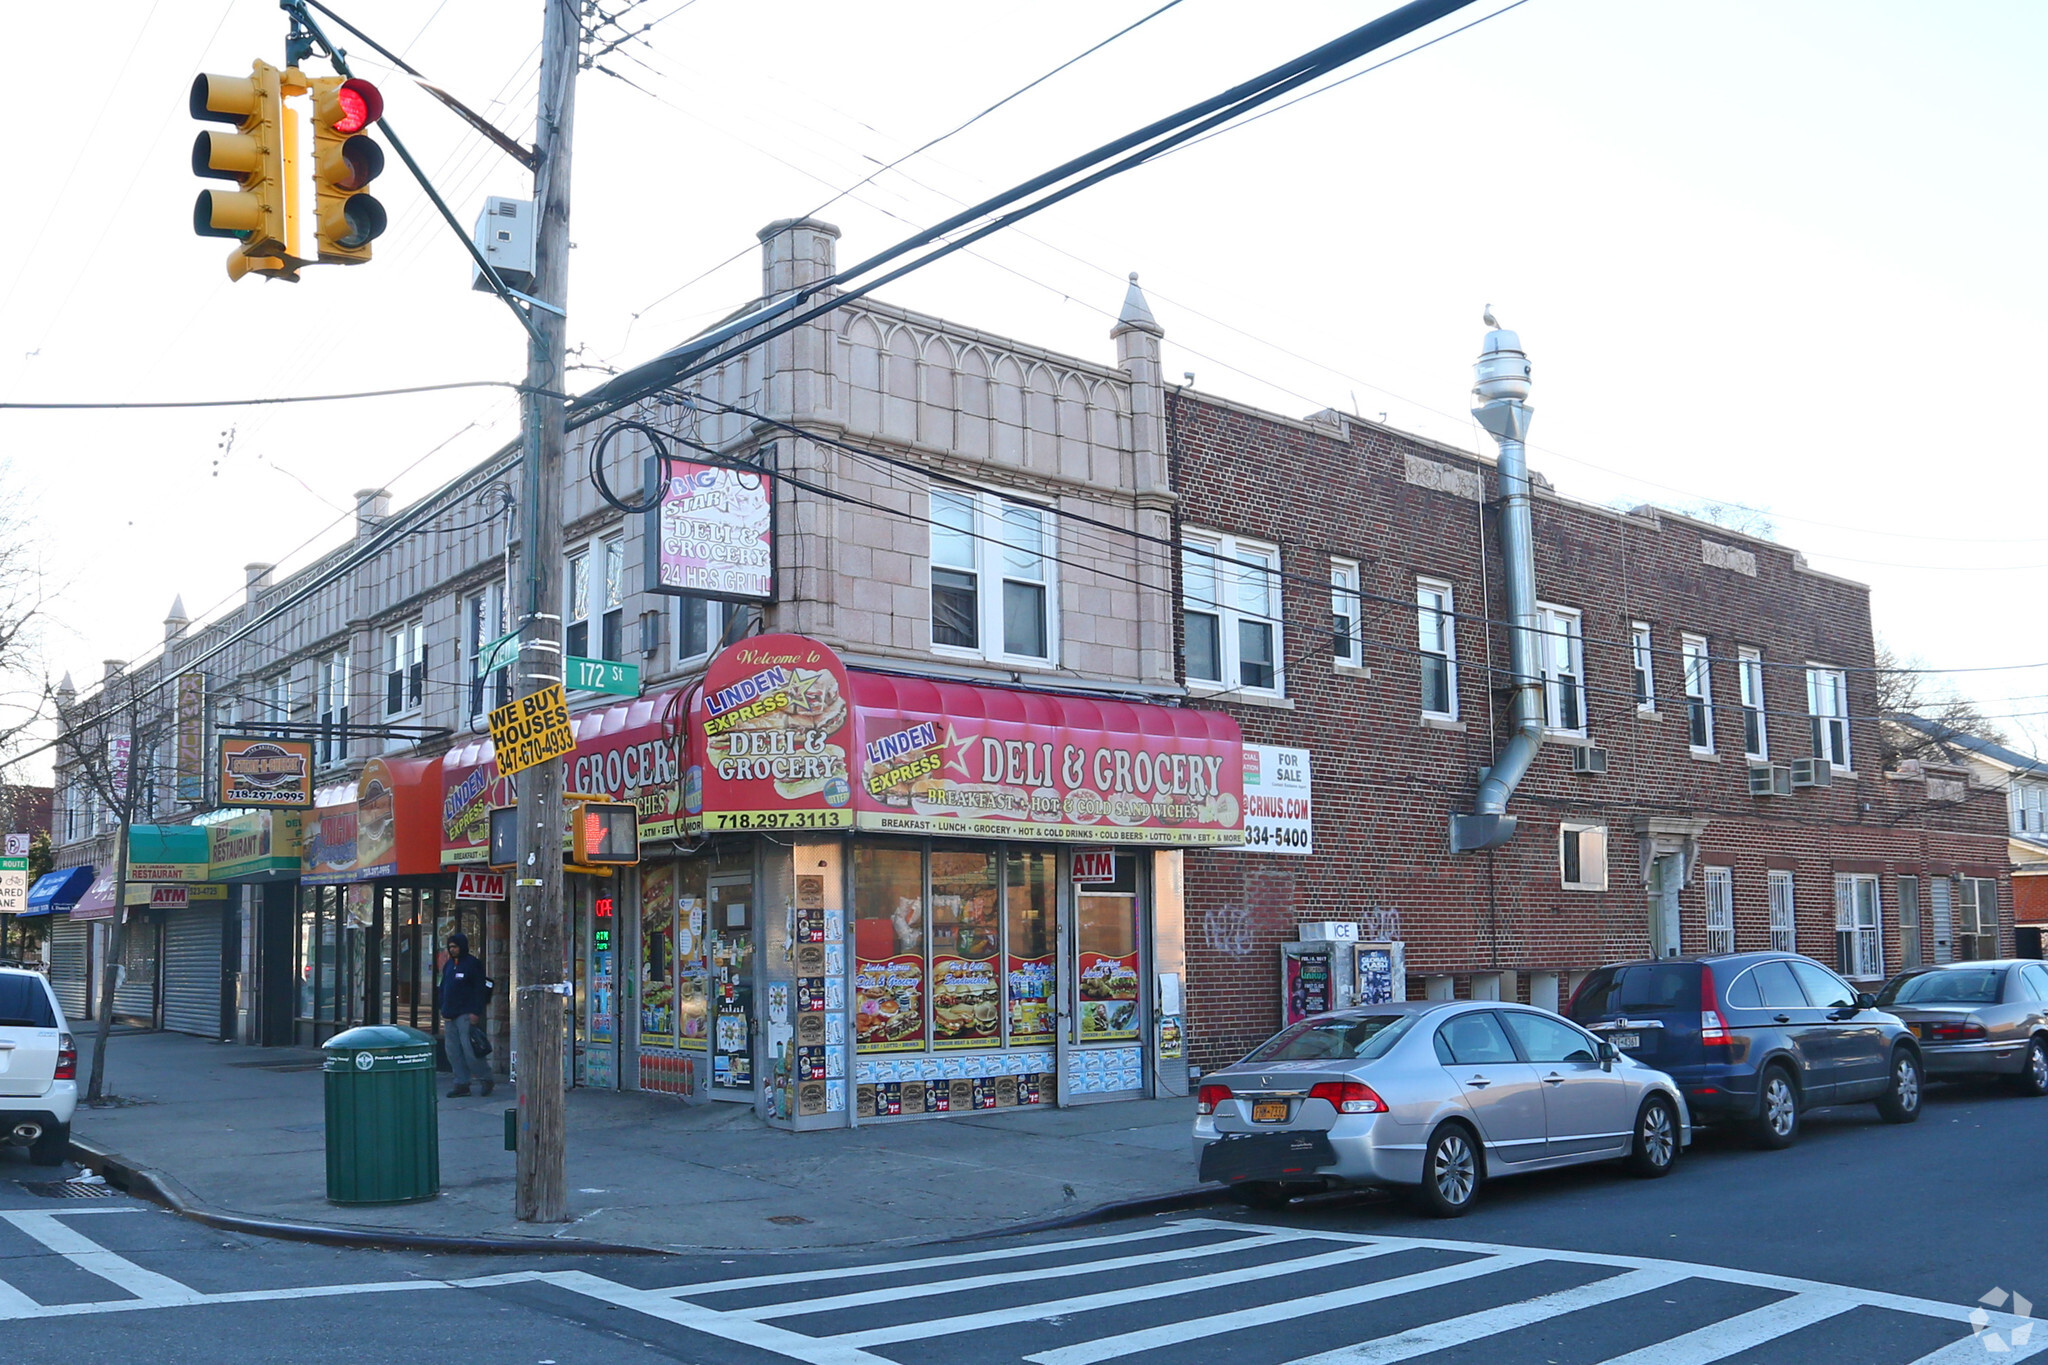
(1755, 1038)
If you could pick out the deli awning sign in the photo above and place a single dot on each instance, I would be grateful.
(479, 886)
(532, 729)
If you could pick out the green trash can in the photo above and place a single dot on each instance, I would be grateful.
(383, 1130)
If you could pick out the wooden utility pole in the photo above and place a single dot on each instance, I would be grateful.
(540, 938)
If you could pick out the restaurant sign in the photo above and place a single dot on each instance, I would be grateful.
(775, 724)
(259, 841)
(713, 530)
(262, 772)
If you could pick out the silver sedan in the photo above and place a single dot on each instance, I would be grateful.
(1437, 1096)
(1977, 1019)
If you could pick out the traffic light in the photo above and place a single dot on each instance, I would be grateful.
(261, 157)
(345, 159)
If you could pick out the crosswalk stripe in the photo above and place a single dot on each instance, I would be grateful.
(851, 1272)
(1195, 1329)
(15, 1304)
(1732, 1336)
(894, 1293)
(1971, 1350)
(83, 1252)
(794, 1345)
(1085, 1303)
(1469, 1327)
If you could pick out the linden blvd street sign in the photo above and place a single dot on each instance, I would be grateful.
(601, 675)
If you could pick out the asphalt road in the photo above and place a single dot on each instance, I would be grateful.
(1865, 1243)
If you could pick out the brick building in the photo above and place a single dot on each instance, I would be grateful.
(1681, 653)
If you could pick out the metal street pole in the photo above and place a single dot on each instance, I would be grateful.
(540, 938)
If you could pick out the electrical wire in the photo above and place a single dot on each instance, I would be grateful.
(293, 398)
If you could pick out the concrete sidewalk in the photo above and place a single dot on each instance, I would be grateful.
(241, 1129)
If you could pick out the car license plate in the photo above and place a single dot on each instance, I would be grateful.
(1626, 1041)
(1269, 1111)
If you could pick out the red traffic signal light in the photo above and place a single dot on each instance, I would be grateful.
(345, 160)
(357, 105)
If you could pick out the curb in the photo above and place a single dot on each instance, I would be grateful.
(146, 1183)
(1199, 1198)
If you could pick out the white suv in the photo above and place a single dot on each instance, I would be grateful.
(38, 1068)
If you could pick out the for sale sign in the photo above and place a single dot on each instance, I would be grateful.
(1278, 814)
(532, 729)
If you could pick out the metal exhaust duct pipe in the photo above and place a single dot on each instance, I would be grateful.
(1501, 382)
(27, 1133)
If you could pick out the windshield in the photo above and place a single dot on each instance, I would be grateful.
(1359, 1038)
(1970, 986)
(24, 1003)
(1642, 988)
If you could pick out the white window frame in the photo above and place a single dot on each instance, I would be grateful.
(484, 620)
(1977, 920)
(718, 618)
(1697, 668)
(1643, 672)
(1719, 884)
(994, 567)
(1749, 681)
(331, 690)
(610, 556)
(1912, 924)
(1829, 686)
(1434, 599)
(1212, 561)
(1347, 645)
(1561, 647)
(1784, 912)
(1859, 926)
(405, 668)
(277, 696)
(1941, 905)
(1591, 851)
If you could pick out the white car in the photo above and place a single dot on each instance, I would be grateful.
(38, 1068)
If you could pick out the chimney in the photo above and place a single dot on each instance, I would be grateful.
(373, 509)
(796, 252)
(256, 579)
(177, 622)
(113, 669)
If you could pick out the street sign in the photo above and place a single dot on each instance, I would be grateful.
(532, 729)
(13, 885)
(17, 845)
(600, 675)
(498, 653)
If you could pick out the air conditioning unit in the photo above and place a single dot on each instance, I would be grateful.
(1812, 772)
(1770, 779)
(504, 234)
(1591, 759)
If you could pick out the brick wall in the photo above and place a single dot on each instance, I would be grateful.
(1386, 783)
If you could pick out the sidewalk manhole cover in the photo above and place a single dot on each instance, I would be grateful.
(788, 1219)
(68, 1189)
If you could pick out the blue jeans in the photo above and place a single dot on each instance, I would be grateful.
(466, 1065)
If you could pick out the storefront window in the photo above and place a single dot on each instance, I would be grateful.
(1030, 887)
(1106, 937)
(889, 948)
(658, 955)
(692, 995)
(966, 934)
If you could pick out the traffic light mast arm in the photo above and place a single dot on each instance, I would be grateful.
(297, 10)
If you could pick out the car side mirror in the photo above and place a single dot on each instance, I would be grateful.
(1865, 1000)
(1609, 1055)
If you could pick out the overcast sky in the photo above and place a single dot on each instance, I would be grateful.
(1784, 255)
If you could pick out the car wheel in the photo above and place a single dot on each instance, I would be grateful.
(1777, 1111)
(1655, 1150)
(1900, 1102)
(1450, 1172)
(1261, 1194)
(2033, 1077)
(51, 1148)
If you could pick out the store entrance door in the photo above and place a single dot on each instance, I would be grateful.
(1109, 967)
(595, 909)
(733, 1023)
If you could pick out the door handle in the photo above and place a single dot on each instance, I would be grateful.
(1781, 1018)
(1553, 1079)
(1479, 1082)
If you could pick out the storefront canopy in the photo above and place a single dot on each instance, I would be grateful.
(57, 890)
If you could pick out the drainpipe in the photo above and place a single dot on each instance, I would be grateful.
(1502, 385)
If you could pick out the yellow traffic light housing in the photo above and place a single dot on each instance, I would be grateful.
(261, 157)
(604, 834)
(345, 161)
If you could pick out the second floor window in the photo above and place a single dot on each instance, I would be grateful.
(612, 621)
(1699, 694)
(1642, 679)
(405, 668)
(701, 626)
(1720, 888)
(1346, 646)
(1562, 651)
(1230, 601)
(1749, 675)
(1582, 857)
(576, 604)
(992, 575)
(1827, 698)
(483, 623)
(1436, 644)
(332, 684)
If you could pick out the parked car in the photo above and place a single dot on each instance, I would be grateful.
(1436, 1096)
(38, 1068)
(1977, 1019)
(1756, 1039)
